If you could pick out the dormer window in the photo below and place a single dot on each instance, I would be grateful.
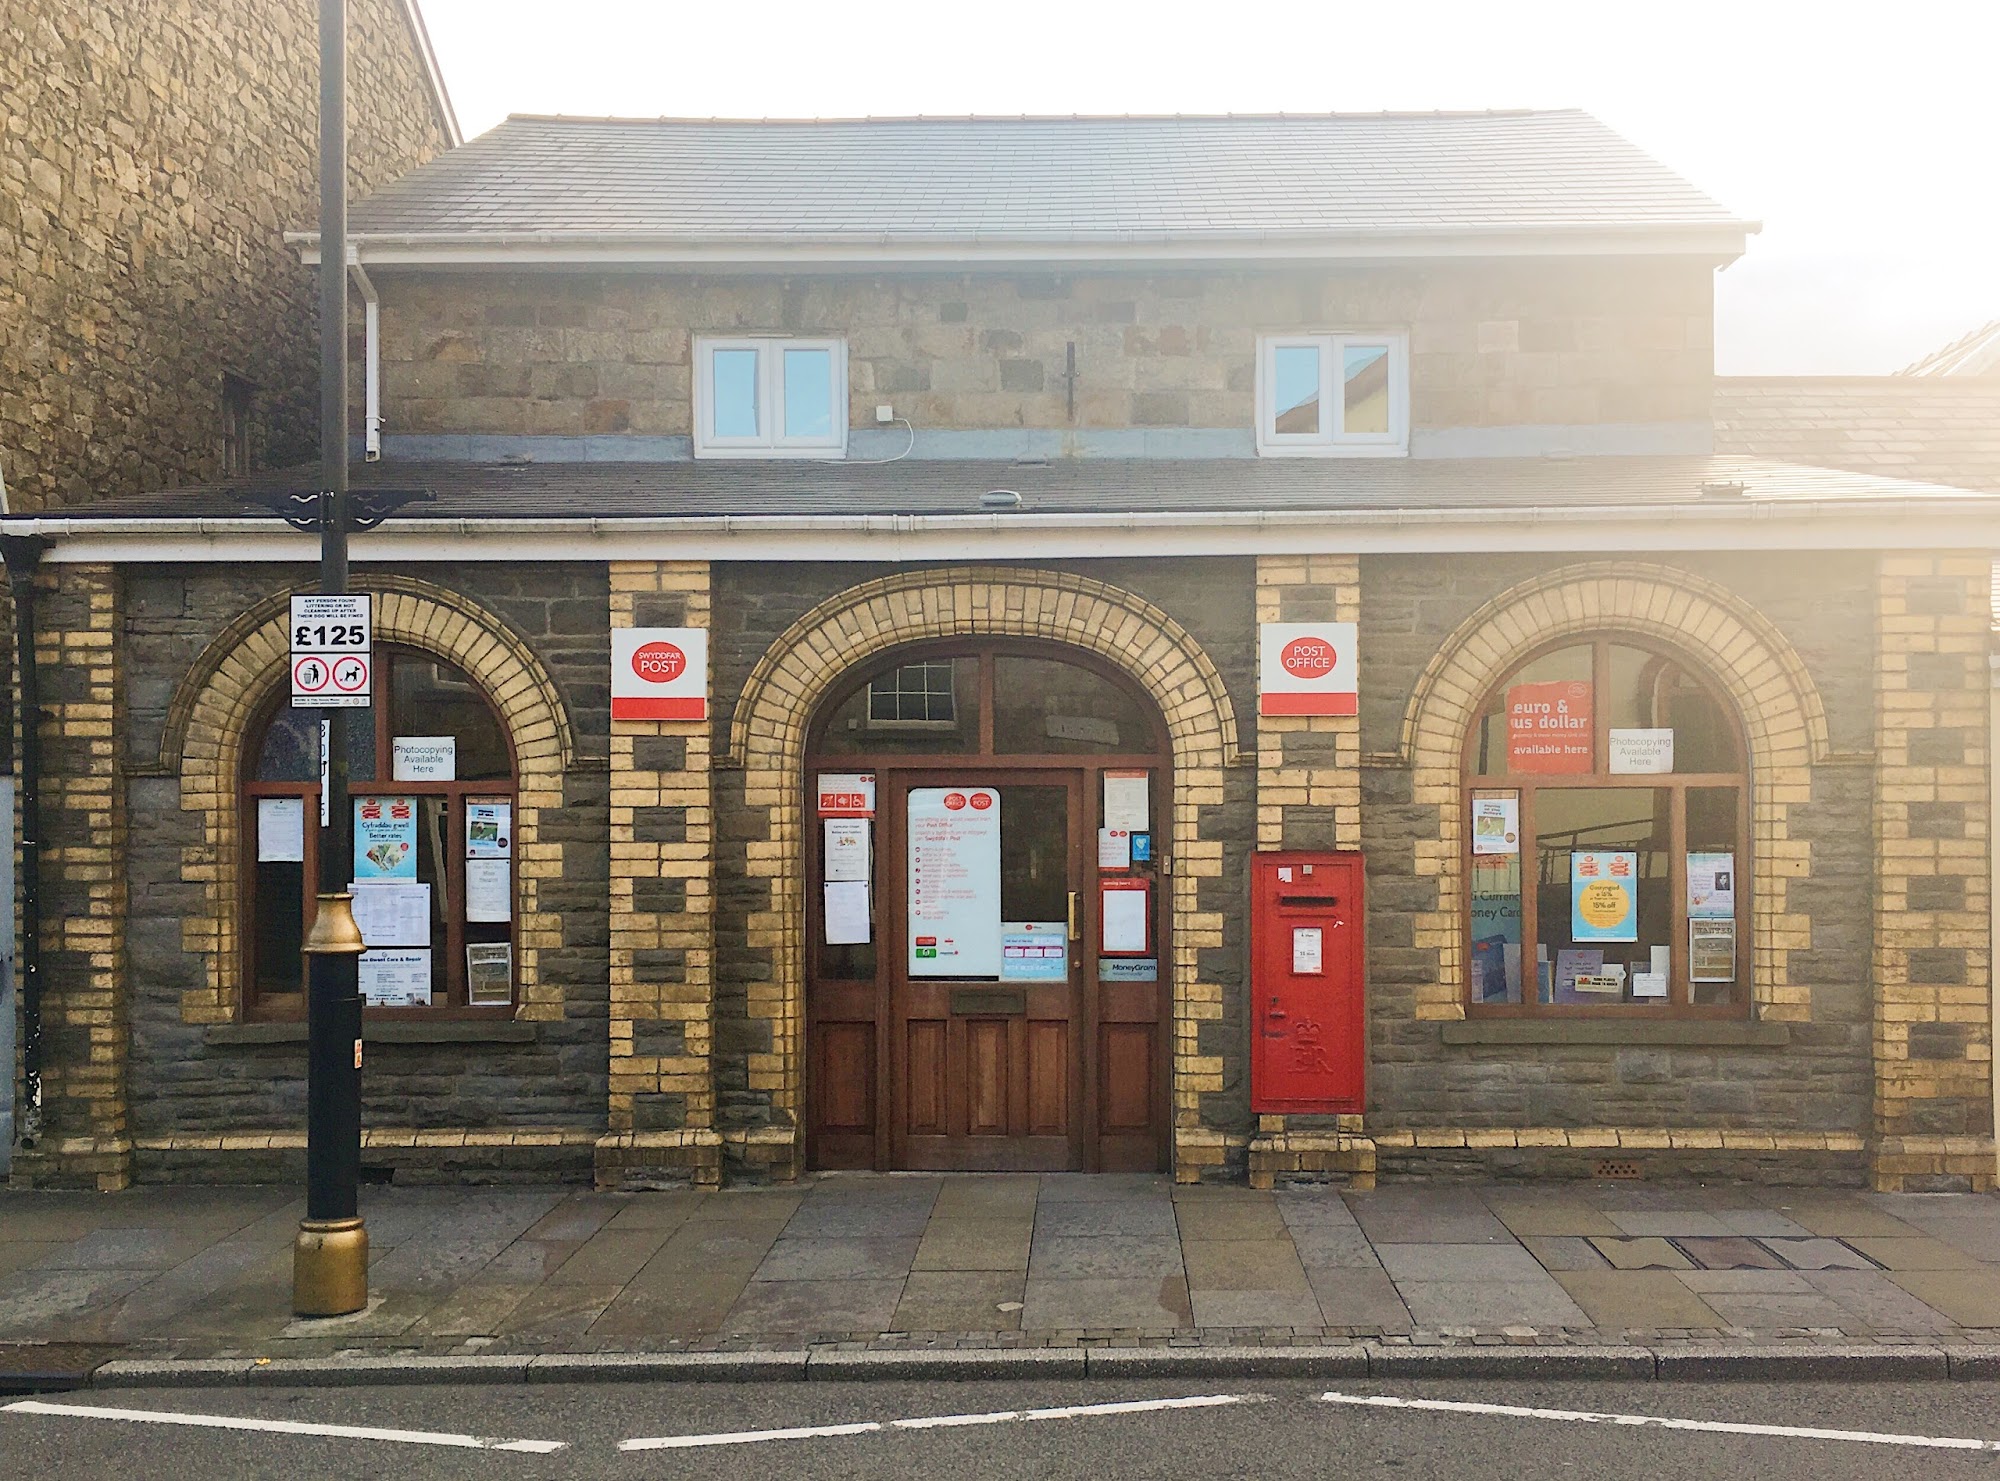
(770, 397)
(1333, 395)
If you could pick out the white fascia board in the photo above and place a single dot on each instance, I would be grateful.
(1801, 525)
(579, 250)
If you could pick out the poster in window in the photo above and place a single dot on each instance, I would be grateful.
(393, 912)
(845, 916)
(1641, 752)
(489, 974)
(281, 830)
(489, 830)
(423, 758)
(1550, 728)
(385, 838)
(1128, 800)
(1603, 895)
(1711, 886)
(1034, 951)
(1572, 965)
(1711, 951)
(1496, 825)
(489, 890)
(396, 979)
(954, 864)
(846, 850)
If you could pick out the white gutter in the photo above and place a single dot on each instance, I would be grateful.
(371, 354)
(1775, 525)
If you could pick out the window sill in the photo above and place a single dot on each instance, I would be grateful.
(447, 1031)
(1659, 1034)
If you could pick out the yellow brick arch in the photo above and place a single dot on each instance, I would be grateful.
(1719, 634)
(767, 740)
(208, 726)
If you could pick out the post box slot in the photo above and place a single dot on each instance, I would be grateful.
(1307, 902)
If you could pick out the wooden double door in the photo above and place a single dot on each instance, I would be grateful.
(969, 1039)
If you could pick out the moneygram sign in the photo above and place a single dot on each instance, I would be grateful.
(659, 673)
(1307, 668)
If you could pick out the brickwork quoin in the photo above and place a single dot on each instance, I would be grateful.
(1722, 636)
(208, 727)
(767, 740)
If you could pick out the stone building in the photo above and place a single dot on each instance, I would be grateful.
(893, 587)
(154, 328)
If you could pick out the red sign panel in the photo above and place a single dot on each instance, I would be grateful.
(1550, 728)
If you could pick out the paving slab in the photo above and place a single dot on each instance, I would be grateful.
(1667, 1222)
(1564, 1252)
(1458, 1303)
(1106, 1218)
(1313, 1207)
(1743, 1282)
(1066, 1305)
(1642, 1252)
(1250, 1218)
(1243, 1265)
(1637, 1300)
(1407, 1224)
(961, 1301)
(815, 1306)
(1114, 1257)
(477, 1310)
(1843, 1217)
(1359, 1298)
(687, 1311)
(843, 1258)
(1878, 1301)
(1894, 1252)
(19, 1254)
(1766, 1310)
(1970, 1298)
(974, 1244)
(662, 1208)
(1759, 1221)
(558, 1312)
(1089, 1187)
(1216, 1307)
(1818, 1254)
(610, 1257)
(1339, 1245)
(575, 1218)
(983, 1195)
(1976, 1237)
(1453, 1262)
(1728, 1252)
(1553, 1219)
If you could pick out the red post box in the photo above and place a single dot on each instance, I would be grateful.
(1307, 1048)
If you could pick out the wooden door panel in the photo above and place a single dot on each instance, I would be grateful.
(925, 1078)
(1048, 1074)
(986, 1076)
(843, 1071)
(1125, 1062)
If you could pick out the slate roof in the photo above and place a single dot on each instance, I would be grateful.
(1977, 353)
(1029, 180)
(1939, 429)
(618, 490)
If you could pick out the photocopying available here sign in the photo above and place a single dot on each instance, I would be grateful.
(659, 673)
(1307, 668)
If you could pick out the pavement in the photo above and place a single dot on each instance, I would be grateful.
(1048, 1269)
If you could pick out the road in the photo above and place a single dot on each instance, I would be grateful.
(1275, 1430)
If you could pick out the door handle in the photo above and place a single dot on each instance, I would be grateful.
(1075, 933)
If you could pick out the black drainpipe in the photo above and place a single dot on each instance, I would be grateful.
(22, 554)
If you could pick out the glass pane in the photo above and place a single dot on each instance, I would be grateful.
(1496, 897)
(289, 751)
(431, 697)
(851, 961)
(809, 393)
(1295, 390)
(1365, 404)
(932, 706)
(1490, 740)
(1715, 891)
(1651, 691)
(733, 393)
(1046, 705)
(277, 959)
(1603, 895)
(1034, 854)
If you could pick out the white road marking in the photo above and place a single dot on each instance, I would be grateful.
(936, 1422)
(284, 1427)
(1649, 1421)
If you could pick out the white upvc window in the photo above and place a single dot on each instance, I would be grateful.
(1343, 395)
(770, 397)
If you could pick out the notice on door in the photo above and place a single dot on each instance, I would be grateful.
(954, 882)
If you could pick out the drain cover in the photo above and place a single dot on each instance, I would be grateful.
(48, 1367)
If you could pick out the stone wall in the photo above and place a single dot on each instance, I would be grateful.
(1814, 885)
(199, 1076)
(154, 157)
(1491, 344)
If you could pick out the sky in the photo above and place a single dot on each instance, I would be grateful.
(1863, 136)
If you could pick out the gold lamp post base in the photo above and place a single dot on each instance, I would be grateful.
(329, 1267)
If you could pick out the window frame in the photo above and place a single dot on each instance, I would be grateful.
(770, 441)
(1679, 1003)
(448, 984)
(1334, 441)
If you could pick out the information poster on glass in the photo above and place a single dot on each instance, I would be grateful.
(1128, 800)
(1034, 951)
(396, 979)
(954, 884)
(1603, 895)
(1496, 825)
(844, 916)
(1549, 728)
(489, 891)
(489, 974)
(281, 830)
(393, 912)
(1642, 752)
(846, 850)
(1711, 951)
(1711, 886)
(423, 758)
(385, 838)
(489, 830)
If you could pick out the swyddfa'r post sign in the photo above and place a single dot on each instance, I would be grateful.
(332, 662)
(659, 673)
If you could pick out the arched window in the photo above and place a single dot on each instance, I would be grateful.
(431, 774)
(1606, 805)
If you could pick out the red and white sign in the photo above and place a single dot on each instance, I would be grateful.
(659, 673)
(1550, 730)
(846, 794)
(1307, 668)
